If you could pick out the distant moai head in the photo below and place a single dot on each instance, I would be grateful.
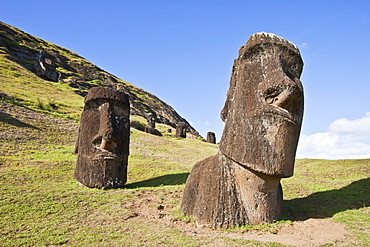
(103, 139)
(151, 120)
(181, 129)
(211, 137)
(264, 106)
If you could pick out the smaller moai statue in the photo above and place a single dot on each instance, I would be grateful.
(211, 137)
(103, 139)
(181, 129)
(150, 128)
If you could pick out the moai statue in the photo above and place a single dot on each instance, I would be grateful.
(103, 139)
(151, 124)
(263, 115)
(211, 137)
(181, 130)
(150, 128)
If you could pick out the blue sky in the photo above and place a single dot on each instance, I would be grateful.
(183, 51)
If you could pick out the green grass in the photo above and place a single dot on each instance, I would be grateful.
(40, 203)
(337, 189)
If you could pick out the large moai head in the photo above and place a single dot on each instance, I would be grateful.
(103, 139)
(264, 106)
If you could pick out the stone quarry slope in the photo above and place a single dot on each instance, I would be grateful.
(57, 64)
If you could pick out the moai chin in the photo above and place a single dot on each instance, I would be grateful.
(181, 130)
(211, 137)
(263, 115)
(103, 139)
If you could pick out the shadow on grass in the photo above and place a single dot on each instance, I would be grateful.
(6, 118)
(171, 179)
(327, 203)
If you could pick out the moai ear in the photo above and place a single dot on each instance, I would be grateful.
(230, 93)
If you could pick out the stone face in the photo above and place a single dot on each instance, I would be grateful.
(263, 115)
(103, 139)
(181, 130)
(211, 137)
(263, 119)
(150, 128)
(151, 120)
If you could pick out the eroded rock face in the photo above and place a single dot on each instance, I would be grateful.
(103, 139)
(263, 115)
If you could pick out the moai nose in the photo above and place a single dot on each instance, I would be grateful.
(287, 98)
(108, 129)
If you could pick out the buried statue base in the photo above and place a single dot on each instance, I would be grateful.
(263, 115)
(221, 194)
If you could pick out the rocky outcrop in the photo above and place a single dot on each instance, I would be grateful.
(55, 63)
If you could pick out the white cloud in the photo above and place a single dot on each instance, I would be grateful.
(346, 139)
(206, 123)
(358, 129)
(303, 46)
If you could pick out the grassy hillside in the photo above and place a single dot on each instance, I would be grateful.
(25, 88)
(40, 203)
(45, 76)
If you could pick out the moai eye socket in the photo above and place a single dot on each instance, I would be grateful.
(271, 94)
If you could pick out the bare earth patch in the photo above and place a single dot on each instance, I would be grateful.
(311, 232)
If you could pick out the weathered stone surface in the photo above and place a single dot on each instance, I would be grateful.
(103, 139)
(211, 137)
(181, 130)
(263, 115)
(221, 193)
